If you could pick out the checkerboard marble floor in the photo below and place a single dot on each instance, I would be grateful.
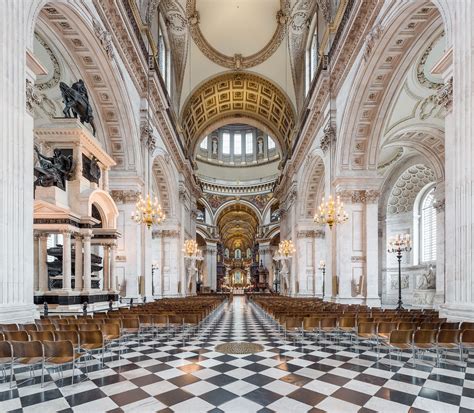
(333, 375)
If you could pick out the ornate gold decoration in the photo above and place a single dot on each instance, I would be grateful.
(331, 212)
(237, 61)
(286, 248)
(238, 95)
(237, 347)
(191, 249)
(148, 212)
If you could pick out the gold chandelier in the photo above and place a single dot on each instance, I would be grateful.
(148, 212)
(286, 248)
(191, 249)
(331, 212)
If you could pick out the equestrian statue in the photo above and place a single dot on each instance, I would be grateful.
(76, 100)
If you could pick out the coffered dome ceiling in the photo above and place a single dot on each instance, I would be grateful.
(241, 97)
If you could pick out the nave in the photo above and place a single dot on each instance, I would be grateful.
(320, 373)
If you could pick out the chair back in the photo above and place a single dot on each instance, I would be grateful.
(407, 325)
(28, 327)
(131, 323)
(401, 337)
(294, 322)
(429, 326)
(5, 349)
(160, 319)
(367, 328)
(43, 321)
(328, 322)
(69, 335)
(145, 318)
(175, 319)
(191, 318)
(467, 337)
(424, 337)
(91, 337)
(16, 336)
(467, 325)
(8, 327)
(110, 329)
(88, 327)
(449, 326)
(46, 327)
(69, 327)
(310, 323)
(386, 327)
(41, 335)
(347, 322)
(61, 348)
(27, 349)
(448, 336)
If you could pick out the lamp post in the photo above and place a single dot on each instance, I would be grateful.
(322, 267)
(397, 245)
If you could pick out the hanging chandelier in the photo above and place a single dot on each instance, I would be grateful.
(331, 212)
(191, 249)
(286, 248)
(148, 212)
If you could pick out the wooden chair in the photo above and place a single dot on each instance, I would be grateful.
(59, 353)
(8, 327)
(328, 325)
(310, 325)
(160, 321)
(448, 340)
(88, 327)
(131, 326)
(28, 353)
(91, 341)
(70, 335)
(111, 334)
(407, 325)
(423, 340)
(294, 327)
(367, 331)
(467, 326)
(347, 325)
(384, 329)
(28, 327)
(41, 335)
(467, 340)
(16, 336)
(399, 341)
(6, 359)
(449, 326)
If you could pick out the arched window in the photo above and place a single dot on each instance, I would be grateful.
(427, 226)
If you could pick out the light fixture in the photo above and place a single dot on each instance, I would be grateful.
(148, 212)
(331, 212)
(286, 249)
(397, 245)
(191, 250)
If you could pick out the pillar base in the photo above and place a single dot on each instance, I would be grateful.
(457, 312)
(350, 300)
(19, 313)
(373, 302)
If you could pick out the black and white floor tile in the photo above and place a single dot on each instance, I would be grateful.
(334, 375)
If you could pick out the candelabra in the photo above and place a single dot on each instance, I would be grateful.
(322, 268)
(331, 212)
(286, 249)
(397, 245)
(148, 212)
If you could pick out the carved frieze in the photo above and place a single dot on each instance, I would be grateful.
(165, 233)
(445, 95)
(371, 40)
(104, 37)
(125, 196)
(328, 138)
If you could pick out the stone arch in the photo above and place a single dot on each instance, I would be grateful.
(238, 95)
(240, 201)
(162, 179)
(312, 184)
(84, 42)
(106, 206)
(386, 60)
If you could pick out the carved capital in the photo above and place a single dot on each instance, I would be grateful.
(328, 138)
(305, 234)
(444, 96)
(372, 196)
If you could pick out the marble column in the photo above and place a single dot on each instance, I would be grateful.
(67, 261)
(457, 96)
(372, 249)
(86, 288)
(42, 264)
(16, 164)
(36, 261)
(106, 268)
(319, 255)
(78, 264)
(212, 266)
(112, 275)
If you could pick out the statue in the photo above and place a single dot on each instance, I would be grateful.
(76, 99)
(260, 146)
(214, 146)
(426, 281)
(94, 170)
(55, 170)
